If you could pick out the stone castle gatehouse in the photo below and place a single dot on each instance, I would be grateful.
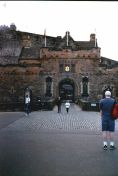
(48, 67)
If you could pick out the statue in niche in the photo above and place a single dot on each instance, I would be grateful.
(85, 88)
(48, 87)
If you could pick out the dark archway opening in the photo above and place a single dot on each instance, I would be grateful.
(66, 89)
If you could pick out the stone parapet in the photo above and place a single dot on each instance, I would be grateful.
(68, 53)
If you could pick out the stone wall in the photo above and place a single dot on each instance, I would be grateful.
(19, 77)
(25, 62)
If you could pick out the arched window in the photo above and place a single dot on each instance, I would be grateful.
(85, 87)
(48, 87)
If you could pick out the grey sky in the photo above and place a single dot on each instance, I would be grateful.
(57, 17)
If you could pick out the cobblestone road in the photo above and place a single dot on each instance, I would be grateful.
(51, 144)
(75, 120)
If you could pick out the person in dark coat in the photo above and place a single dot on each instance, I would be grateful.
(59, 104)
(108, 124)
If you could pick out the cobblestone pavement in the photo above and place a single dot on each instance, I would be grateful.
(48, 143)
(75, 120)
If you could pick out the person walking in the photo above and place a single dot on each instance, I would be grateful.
(108, 124)
(27, 104)
(59, 104)
(67, 105)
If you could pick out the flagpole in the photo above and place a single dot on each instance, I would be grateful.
(45, 41)
(67, 38)
(95, 38)
(45, 37)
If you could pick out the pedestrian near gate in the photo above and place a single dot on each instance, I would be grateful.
(67, 105)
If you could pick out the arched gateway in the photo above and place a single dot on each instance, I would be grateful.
(67, 89)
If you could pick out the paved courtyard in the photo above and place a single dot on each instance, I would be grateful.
(48, 143)
(51, 120)
(74, 121)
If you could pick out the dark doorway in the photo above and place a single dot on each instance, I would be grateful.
(66, 89)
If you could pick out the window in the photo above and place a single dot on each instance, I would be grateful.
(61, 68)
(73, 68)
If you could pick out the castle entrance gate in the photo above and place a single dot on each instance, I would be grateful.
(67, 89)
